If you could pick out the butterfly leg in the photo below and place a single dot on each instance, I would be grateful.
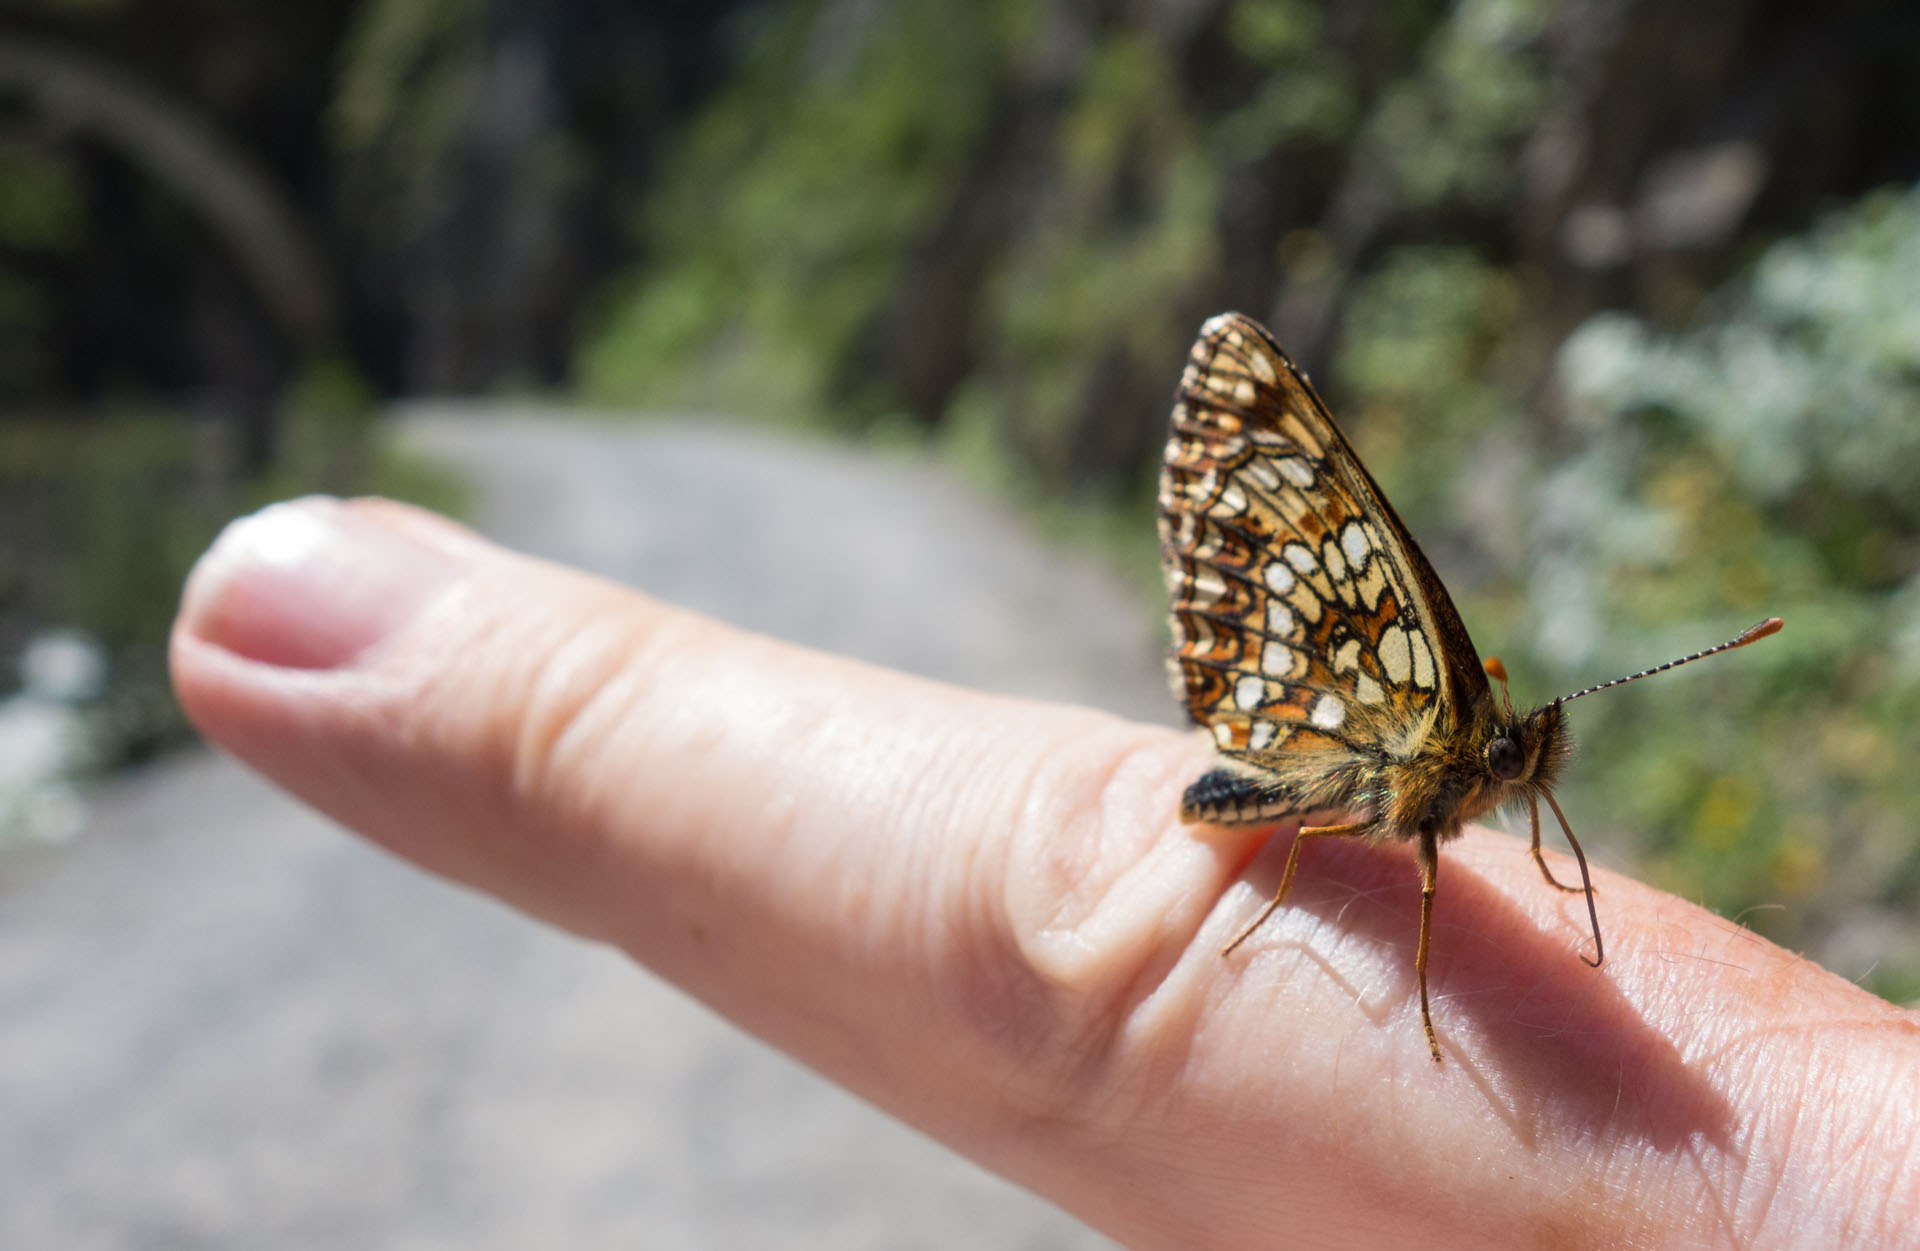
(1533, 810)
(1586, 881)
(1353, 830)
(1429, 878)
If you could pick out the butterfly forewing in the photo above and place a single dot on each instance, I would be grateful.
(1314, 641)
(1309, 634)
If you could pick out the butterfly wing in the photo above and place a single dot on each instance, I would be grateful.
(1309, 633)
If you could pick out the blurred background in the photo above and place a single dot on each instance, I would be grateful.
(1617, 301)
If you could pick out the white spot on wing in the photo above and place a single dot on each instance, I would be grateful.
(1263, 474)
(1262, 366)
(1248, 692)
(1279, 578)
(1367, 691)
(1208, 586)
(1295, 470)
(1223, 735)
(1276, 660)
(1347, 656)
(1395, 655)
(1335, 562)
(1328, 713)
(1279, 616)
(1300, 556)
(1371, 583)
(1264, 732)
(1423, 674)
(1353, 541)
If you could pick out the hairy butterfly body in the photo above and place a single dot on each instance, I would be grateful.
(1314, 641)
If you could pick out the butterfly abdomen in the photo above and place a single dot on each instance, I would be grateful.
(1247, 791)
(1224, 797)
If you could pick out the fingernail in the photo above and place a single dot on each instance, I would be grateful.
(309, 584)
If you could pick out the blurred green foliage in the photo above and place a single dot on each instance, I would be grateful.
(102, 524)
(40, 215)
(1724, 438)
(1769, 458)
(105, 513)
(756, 285)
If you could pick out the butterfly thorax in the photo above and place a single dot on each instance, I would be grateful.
(1465, 771)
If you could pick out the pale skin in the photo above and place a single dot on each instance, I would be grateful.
(984, 916)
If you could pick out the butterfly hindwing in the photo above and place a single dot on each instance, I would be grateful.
(1309, 633)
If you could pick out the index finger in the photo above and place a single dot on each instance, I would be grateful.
(981, 914)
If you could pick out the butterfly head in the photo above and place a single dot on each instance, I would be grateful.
(1525, 753)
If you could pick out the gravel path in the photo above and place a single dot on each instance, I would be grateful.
(225, 1025)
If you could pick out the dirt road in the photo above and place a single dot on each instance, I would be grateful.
(224, 1024)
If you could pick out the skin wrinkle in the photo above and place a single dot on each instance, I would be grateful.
(1798, 1165)
(1845, 1143)
(922, 927)
(791, 749)
(1713, 1176)
(1907, 1164)
(1872, 1139)
(1158, 936)
(1861, 1123)
(577, 687)
(1100, 997)
(1039, 1039)
(1064, 860)
(1718, 1166)
(1061, 1021)
(1081, 821)
(1002, 996)
(1862, 1140)
(1154, 895)
(561, 679)
(1757, 1187)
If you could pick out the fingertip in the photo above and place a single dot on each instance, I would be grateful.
(310, 584)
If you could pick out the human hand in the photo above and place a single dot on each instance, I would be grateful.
(982, 915)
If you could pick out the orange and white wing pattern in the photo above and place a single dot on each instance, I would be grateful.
(1309, 633)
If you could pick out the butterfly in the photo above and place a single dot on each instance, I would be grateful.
(1317, 645)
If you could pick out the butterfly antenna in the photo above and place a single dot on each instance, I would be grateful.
(1752, 634)
(1498, 672)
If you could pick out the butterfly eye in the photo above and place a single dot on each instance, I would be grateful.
(1505, 760)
